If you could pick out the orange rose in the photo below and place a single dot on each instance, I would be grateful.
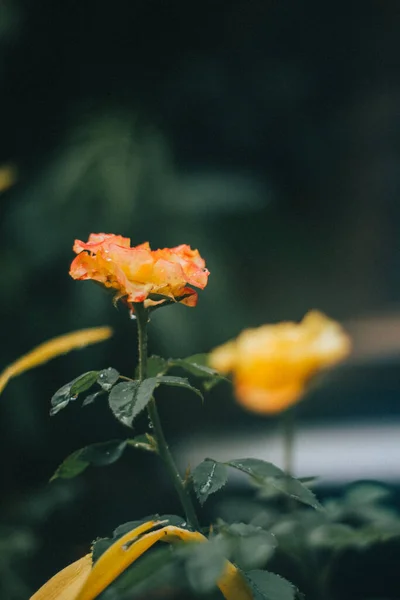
(136, 273)
(272, 365)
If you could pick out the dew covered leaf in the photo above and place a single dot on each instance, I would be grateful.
(122, 400)
(98, 455)
(83, 382)
(92, 398)
(268, 586)
(208, 477)
(178, 382)
(156, 365)
(268, 475)
(144, 395)
(107, 378)
(295, 489)
(61, 399)
(128, 399)
(70, 391)
(196, 365)
(256, 468)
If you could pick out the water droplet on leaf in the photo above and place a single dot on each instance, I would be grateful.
(107, 378)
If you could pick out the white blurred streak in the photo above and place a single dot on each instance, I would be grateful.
(375, 337)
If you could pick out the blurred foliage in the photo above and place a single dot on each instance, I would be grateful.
(348, 551)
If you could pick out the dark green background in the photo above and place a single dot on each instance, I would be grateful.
(267, 134)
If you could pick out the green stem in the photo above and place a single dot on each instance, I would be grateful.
(288, 440)
(163, 449)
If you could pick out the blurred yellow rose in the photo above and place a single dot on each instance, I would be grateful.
(271, 365)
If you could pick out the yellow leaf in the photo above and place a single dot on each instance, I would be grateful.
(52, 348)
(120, 556)
(78, 582)
(67, 583)
(113, 562)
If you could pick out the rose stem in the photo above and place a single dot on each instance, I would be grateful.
(288, 440)
(142, 317)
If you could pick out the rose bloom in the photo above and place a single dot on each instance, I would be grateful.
(136, 273)
(272, 365)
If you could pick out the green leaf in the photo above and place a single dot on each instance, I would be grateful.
(98, 455)
(250, 546)
(154, 571)
(107, 378)
(99, 547)
(268, 586)
(83, 382)
(103, 453)
(366, 493)
(143, 395)
(203, 563)
(196, 365)
(308, 480)
(59, 403)
(266, 474)
(122, 399)
(295, 489)
(333, 535)
(128, 399)
(71, 390)
(92, 398)
(208, 477)
(258, 469)
(62, 397)
(179, 382)
(71, 467)
(156, 365)
(209, 384)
